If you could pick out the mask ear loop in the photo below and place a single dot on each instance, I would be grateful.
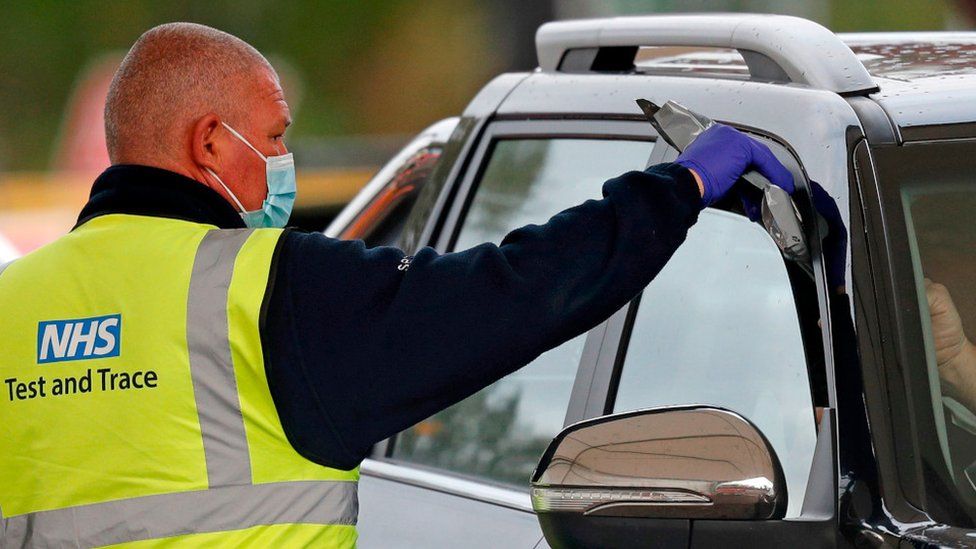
(245, 141)
(229, 192)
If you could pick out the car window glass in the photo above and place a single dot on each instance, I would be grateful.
(927, 198)
(719, 326)
(500, 432)
(942, 242)
(943, 239)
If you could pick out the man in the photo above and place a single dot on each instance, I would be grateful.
(179, 367)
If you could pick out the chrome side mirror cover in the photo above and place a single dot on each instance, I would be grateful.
(689, 462)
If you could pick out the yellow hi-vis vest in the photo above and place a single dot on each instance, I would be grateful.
(135, 410)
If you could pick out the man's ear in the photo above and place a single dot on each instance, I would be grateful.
(204, 148)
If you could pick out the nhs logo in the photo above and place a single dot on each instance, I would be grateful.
(95, 337)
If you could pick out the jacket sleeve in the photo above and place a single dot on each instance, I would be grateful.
(357, 349)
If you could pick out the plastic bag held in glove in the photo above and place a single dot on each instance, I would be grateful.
(721, 154)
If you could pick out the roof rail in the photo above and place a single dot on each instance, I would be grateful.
(775, 47)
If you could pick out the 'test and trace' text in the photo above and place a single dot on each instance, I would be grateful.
(101, 380)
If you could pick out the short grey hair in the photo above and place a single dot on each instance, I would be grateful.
(172, 75)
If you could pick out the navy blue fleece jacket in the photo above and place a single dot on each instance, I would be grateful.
(357, 349)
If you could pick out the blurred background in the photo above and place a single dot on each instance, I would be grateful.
(361, 77)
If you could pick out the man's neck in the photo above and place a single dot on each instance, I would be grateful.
(157, 192)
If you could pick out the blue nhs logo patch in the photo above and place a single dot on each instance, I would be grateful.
(78, 339)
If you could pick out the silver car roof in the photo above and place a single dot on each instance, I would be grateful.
(919, 78)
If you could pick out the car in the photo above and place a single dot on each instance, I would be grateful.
(738, 401)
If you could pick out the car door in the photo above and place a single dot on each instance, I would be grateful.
(730, 323)
(720, 326)
(463, 473)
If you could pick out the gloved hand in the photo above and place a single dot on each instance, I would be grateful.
(721, 154)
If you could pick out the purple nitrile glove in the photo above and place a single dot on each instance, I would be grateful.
(721, 154)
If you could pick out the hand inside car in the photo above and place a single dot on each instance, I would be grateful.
(954, 353)
(721, 154)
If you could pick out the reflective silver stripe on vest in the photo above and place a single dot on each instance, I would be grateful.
(214, 510)
(4, 266)
(211, 366)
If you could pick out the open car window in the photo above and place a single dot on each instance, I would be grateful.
(719, 326)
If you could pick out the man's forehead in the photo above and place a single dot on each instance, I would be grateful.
(267, 83)
(268, 89)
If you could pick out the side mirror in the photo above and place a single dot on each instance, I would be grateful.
(690, 462)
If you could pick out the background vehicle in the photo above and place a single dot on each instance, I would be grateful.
(7, 250)
(885, 122)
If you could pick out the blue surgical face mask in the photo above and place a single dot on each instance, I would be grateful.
(280, 177)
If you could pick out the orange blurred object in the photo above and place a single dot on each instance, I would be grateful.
(428, 427)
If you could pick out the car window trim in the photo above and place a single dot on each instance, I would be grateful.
(585, 374)
(429, 478)
(873, 318)
(589, 396)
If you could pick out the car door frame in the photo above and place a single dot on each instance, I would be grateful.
(818, 517)
(618, 352)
